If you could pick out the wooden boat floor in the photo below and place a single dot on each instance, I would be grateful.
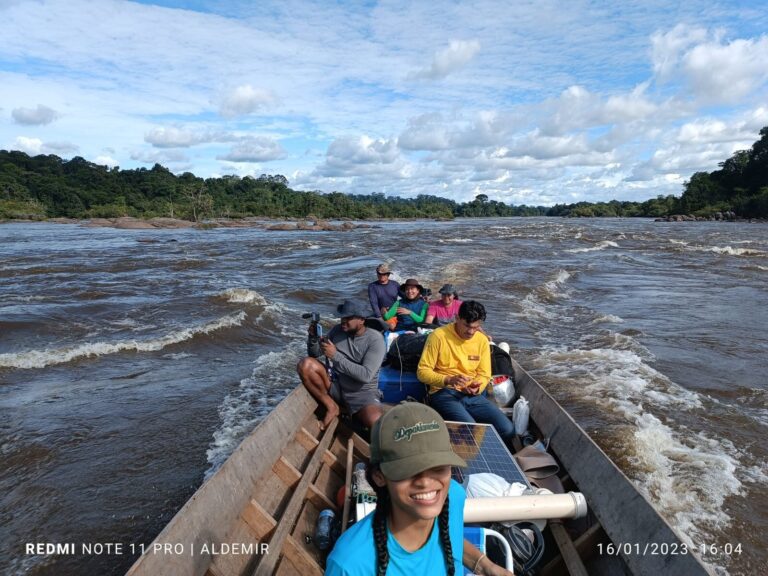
(271, 497)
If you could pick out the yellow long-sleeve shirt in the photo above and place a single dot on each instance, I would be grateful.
(446, 354)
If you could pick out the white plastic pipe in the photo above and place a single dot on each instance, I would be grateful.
(533, 507)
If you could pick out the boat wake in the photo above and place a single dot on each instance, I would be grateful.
(273, 377)
(536, 303)
(686, 474)
(649, 425)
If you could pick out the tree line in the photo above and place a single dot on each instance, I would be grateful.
(46, 186)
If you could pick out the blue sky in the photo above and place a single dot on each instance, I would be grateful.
(528, 102)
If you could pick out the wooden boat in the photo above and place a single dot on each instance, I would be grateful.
(257, 513)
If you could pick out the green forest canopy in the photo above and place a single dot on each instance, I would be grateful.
(45, 186)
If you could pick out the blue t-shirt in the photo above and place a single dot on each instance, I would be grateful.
(355, 552)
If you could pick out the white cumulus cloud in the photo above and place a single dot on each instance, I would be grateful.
(34, 116)
(448, 60)
(176, 137)
(727, 72)
(353, 155)
(244, 100)
(425, 132)
(159, 156)
(29, 145)
(34, 146)
(105, 160)
(256, 149)
(717, 70)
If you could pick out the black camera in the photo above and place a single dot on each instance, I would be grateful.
(313, 316)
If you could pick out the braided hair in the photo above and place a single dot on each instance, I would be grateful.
(380, 536)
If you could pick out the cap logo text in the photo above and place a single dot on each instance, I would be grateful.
(405, 433)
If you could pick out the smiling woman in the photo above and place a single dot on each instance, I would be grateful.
(411, 459)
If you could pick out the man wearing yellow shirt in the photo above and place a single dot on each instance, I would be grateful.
(456, 365)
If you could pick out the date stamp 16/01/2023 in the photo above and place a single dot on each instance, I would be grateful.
(667, 549)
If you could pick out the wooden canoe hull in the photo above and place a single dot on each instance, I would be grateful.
(240, 503)
(268, 494)
(624, 513)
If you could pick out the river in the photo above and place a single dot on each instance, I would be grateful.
(132, 362)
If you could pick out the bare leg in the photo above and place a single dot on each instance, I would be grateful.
(315, 379)
(369, 414)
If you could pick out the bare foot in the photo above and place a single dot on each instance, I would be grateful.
(330, 415)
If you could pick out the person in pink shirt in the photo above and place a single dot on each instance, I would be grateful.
(444, 311)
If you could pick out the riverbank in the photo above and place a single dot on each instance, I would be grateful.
(130, 223)
(717, 217)
(314, 224)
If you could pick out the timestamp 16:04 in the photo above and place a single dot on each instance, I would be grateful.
(667, 549)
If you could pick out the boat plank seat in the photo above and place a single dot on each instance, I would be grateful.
(335, 457)
(586, 546)
(299, 561)
(271, 499)
(268, 562)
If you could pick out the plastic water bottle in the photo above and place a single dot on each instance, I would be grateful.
(520, 414)
(324, 529)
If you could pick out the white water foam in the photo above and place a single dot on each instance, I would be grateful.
(243, 296)
(535, 302)
(728, 250)
(608, 318)
(686, 474)
(455, 240)
(31, 298)
(254, 398)
(599, 246)
(48, 357)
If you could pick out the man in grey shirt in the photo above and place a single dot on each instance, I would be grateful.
(354, 355)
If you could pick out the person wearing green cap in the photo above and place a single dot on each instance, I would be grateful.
(417, 527)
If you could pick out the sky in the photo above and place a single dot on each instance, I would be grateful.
(528, 102)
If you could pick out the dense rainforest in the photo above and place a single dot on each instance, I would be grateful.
(45, 186)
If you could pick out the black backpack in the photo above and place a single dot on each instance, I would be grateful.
(501, 362)
(405, 352)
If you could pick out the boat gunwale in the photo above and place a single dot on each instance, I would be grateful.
(588, 465)
(212, 511)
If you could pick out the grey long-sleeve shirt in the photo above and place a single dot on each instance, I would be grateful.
(357, 360)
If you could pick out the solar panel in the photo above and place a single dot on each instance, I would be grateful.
(484, 451)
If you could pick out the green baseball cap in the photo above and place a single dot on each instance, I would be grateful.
(409, 439)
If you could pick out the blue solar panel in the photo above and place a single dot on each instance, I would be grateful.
(484, 451)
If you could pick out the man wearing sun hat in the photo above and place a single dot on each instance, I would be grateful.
(350, 377)
(384, 291)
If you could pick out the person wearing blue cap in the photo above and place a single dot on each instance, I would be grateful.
(444, 310)
(350, 377)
